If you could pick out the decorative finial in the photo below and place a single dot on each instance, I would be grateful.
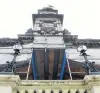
(50, 6)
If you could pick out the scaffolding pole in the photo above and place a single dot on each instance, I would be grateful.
(28, 69)
(29, 66)
(69, 69)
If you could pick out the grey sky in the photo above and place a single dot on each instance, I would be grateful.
(81, 17)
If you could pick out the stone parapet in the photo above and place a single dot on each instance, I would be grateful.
(13, 84)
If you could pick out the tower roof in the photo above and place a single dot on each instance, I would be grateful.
(48, 9)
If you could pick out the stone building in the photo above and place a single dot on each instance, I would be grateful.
(54, 23)
(48, 40)
(43, 64)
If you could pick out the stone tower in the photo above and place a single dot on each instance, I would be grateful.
(47, 22)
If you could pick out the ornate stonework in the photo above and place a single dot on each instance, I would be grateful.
(49, 22)
(90, 84)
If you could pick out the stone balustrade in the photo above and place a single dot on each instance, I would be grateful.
(13, 84)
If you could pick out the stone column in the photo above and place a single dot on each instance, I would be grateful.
(21, 91)
(65, 91)
(55, 91)
(39, 91)
(47, 91)
(81, 90)
(30, 91)
(73, 91)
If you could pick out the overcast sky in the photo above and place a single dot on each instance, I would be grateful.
(81, 17)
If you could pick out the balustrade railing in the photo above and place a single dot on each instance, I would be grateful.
(13, 84)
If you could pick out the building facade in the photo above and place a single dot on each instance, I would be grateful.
(49, 22)
(43, 65)
(45, 44)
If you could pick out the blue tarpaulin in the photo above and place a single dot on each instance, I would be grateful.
(63, 67)
(33, 66)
